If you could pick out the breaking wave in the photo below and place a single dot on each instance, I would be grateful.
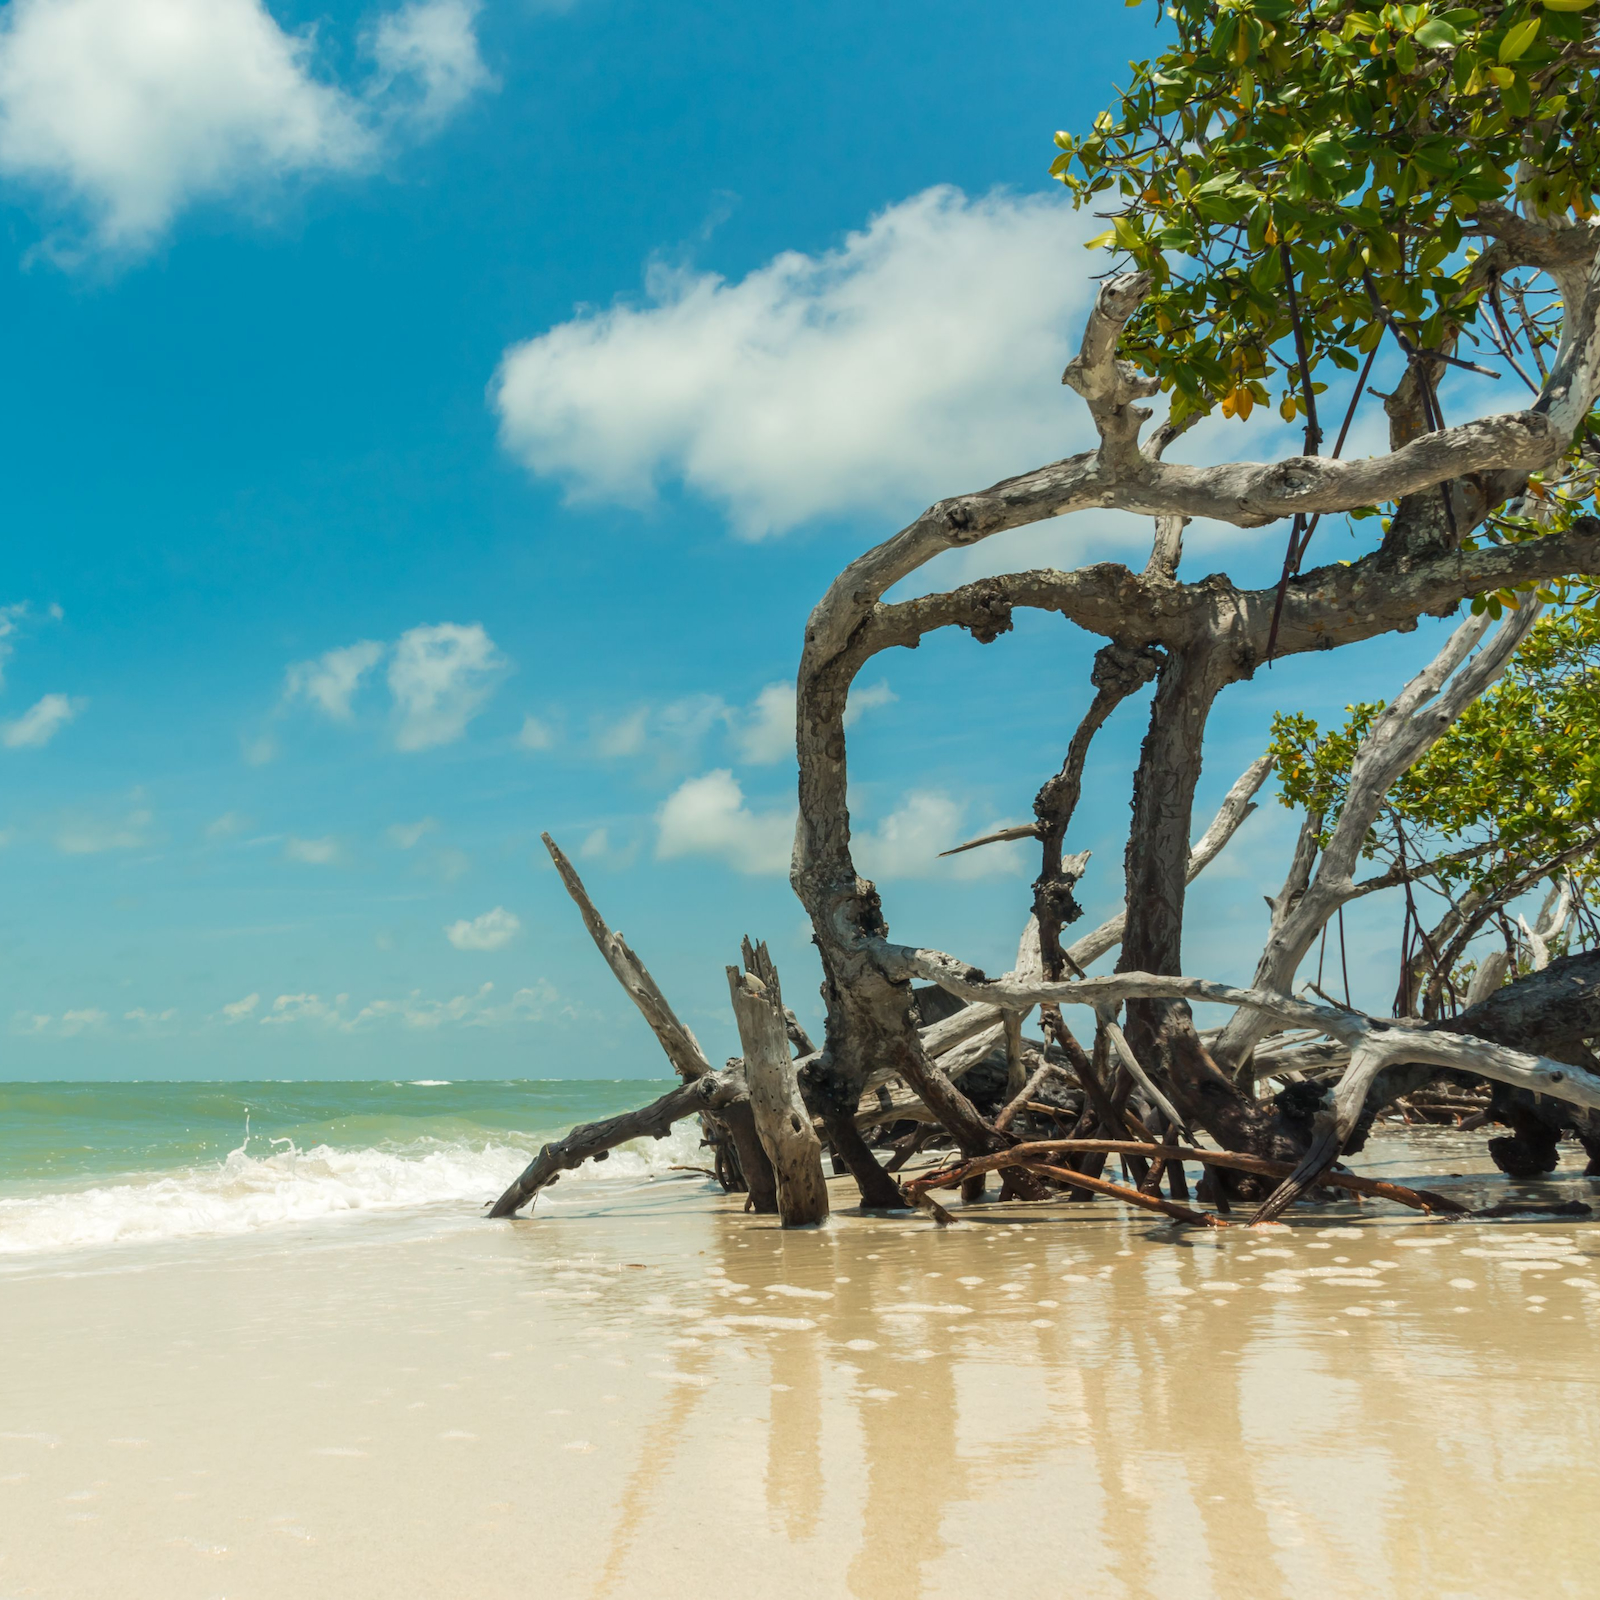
(246, 1193)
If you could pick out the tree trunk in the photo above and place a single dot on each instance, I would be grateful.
(780, 1112)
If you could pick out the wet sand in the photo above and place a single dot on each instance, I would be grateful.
(646, 1393)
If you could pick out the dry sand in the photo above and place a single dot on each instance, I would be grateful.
(646, 1393)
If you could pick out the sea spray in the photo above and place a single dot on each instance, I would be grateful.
(321, 1151)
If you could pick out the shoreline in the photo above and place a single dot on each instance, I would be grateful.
(650, 1393)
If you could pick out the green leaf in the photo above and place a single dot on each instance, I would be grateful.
(1518, 41)
(1437, 34)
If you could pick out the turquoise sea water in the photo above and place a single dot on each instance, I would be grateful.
(86, 1165)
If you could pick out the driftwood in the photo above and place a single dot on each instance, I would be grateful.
(1194, 640)
(681, 1047)
(1019, 1157)
(1417, 1199)
(594, 1141)
(782, 1120)
(1407, 726)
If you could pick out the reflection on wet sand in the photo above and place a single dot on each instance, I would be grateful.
(654, 1395)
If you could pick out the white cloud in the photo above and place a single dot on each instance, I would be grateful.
(89, 837)
(536, 735)
(707, 816)
(260, 751)
(331, 680)
(69, 1024)
(84, 1021)
(125, 112)
(288, 1008)
(687, 721)
(919, 358)
(150, 1019)
(241, 1010)
(531, 1003)
(865, 700)
(441, 677)
(624, 737)
(595, 846)
(766, 731)
(488, 932)
(432, 46)
(227, 826)
(907, 842)
(449, 865)
(407, 835)
(10, 616)
(312, 852)
(38, 725)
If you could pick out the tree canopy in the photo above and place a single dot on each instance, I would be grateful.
(1299, 177)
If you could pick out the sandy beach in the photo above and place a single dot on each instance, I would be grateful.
(644, 1392)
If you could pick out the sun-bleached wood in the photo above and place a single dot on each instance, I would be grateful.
(682, 1048)
(782, 1120)
(1412, 722)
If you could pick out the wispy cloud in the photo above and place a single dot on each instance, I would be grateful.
(764, 732)
(40, 723)
(441, 677)
(531, 1003)
(493, 930)
(408, 835)
(536, 734)
(313, 852)
(241, 1010)
(88, 1019)
(623, 737)
(91, 836)
(228, 826)
(907, 842)
(330, 681)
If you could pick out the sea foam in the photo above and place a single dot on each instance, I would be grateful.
(248, 1193)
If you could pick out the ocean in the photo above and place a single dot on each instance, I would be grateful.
(88, 1166)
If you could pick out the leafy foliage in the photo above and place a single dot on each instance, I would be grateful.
(1321, 155)
(1519, 771)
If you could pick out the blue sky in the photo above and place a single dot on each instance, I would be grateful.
(432, 425)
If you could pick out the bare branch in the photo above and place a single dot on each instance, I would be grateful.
(1237, 807)
(1023, 830)
(1402, 731)
(682, 1048)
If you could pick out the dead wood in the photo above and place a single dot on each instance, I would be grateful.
(971, 1172)
(594, 1141)
(782, 1120)
(753, 1170)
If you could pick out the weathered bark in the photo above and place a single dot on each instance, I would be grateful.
(1237, 808)
(1118, 672)
(681, 1047)
(594, 1141)
(1212, 633)
(781, 1118)
(828, 1100)
(1417, 1199)
(1408, 726)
